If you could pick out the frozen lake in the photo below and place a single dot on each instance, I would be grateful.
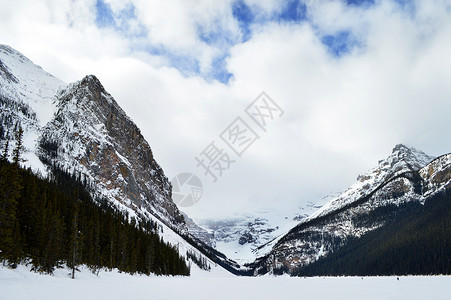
(22, 284)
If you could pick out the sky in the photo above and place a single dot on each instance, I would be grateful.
(343, 83)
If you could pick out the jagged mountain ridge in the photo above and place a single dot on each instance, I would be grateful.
(237, 237)
(245, 238)
(329, 228)
(240, 236)
(91, 129)
(402, 159)
(80, 127)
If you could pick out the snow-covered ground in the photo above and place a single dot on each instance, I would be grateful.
(21, 284)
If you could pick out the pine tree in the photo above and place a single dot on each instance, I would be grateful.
(10, 187)
(48, 221)
(17, 152)
(16, 254)
(74, 242)
(6, 150)
(53, 242)
(96, 247)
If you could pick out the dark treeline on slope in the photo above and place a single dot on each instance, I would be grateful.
(198, 259)
(417, 242)
(216, 256)
(51, 222)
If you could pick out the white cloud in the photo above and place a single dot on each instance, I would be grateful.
(341, 114)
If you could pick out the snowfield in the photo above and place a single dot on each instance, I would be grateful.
(21, 284)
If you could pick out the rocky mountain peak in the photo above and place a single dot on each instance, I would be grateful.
(91, 129)
(87, 90)
(411, 155)
(11, 52)
(402, 159)
(92, 80)
(80, 127)
(400, 147)
(406, 178)
(92, 83)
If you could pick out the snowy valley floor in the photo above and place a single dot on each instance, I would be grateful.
(22, 284)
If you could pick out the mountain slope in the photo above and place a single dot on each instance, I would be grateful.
(80, 129)
(24, 82)
(402, 159)
(55, 221)
(417, 241)
(339, 222)
(245, 237)
(91, 133)
(27, 95)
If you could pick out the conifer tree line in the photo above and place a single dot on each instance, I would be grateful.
(198, 259)
(416, 242)
(12, 109)
(53, 222)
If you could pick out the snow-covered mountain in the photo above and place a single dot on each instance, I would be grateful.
(203, 234)
(91, 133)
(27, 97)
(406, 175)
(80, 128)
(402, 159)
(238, 237)
(245, 237)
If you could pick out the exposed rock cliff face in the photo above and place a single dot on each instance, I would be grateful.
(81, 128)
(402, 159)
(92, 134)
(204, 235)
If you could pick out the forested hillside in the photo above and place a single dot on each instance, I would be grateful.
(54, 221)
(417, 241)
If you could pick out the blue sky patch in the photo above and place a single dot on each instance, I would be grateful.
(219, 70)
(340, 44)
(215, 36)
(209, 37)
(104, 15)
(105, 18)
(126, 23)
(188, 66)
(294, 11)
(360, 2)
(407, 6)
(245, 17)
